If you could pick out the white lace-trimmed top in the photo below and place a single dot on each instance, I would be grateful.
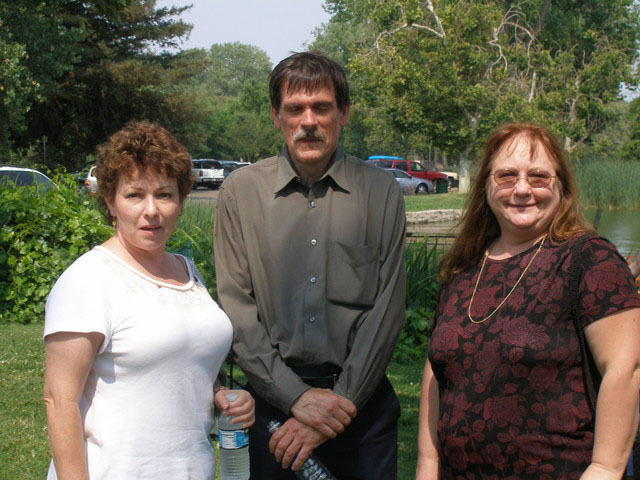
(148, 401)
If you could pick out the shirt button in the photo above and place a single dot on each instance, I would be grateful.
(312, 279)
(314, 241)
(312, 319)
(313, 204)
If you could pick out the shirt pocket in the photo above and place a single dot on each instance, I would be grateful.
(353, 273)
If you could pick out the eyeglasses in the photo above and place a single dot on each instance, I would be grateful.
(535, 178)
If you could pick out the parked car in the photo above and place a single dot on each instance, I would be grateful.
(228, 166)
(409, 183)
(412, 167)
(87, 180)
(454, 178)
(24, 177)
(207, 173)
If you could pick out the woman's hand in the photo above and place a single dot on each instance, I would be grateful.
(242, 408)
(599, 472)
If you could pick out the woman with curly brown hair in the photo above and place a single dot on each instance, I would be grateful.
(504, 394)
(133, 341)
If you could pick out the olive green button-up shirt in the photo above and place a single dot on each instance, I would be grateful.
(311, 276)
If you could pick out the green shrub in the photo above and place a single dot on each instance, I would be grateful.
(414, 337)
(41, 233)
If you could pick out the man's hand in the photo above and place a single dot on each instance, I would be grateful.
(294, 439)
(324, 411)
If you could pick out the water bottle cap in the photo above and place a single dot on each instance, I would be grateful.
(232, 397)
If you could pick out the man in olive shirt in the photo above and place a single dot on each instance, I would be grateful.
(310, 270)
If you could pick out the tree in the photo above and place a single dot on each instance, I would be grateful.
(113, 76)
(630, 149)
(235, 90)
(30, 65)
(442, 74)
(234, 64)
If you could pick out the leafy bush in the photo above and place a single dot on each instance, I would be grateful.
(41, 233)
(414, 337)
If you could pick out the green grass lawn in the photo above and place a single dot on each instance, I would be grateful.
(419, 203)
(24, 453)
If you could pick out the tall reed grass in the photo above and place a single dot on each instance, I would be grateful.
(608, 184)
(193, 238)
(421, 263)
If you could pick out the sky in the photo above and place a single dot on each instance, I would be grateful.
(276, 26)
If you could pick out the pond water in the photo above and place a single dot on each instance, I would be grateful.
(622, 227)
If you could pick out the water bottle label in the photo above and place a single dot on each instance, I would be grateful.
(232, 439)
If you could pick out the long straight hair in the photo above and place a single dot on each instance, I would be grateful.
(479, 226)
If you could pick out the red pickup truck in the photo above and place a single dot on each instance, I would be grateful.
(412, 167)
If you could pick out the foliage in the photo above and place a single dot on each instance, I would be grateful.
(414, 337)
(613, 142)
(94, 70)
(439, 74)
(193, 238)
(630, 150)
(41, 233)
(28, 31)
(235, 90)
(421, 260)
(233, 65)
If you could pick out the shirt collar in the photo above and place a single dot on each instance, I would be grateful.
(337, 170)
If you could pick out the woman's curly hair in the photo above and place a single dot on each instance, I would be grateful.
(138, 147)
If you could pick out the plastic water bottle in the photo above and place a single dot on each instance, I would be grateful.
(312, 468)
(234, 447)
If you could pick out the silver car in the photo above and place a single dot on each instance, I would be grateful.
(24, 177)
(409, 183)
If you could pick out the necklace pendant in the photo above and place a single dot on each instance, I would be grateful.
(475, 288)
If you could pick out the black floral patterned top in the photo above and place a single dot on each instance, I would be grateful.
(512, 397)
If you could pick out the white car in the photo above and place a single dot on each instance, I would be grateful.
(87, 180)
(24, 177)
(207, 173)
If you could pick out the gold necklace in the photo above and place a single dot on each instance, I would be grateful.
(510, 292)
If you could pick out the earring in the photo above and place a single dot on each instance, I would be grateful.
(114, 222)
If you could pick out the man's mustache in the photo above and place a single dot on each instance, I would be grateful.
(308, 135)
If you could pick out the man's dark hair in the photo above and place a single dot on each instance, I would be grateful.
(308, 71)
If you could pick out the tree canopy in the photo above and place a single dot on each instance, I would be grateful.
(426, 76)
(441, 74)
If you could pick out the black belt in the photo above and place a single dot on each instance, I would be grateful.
(325, 376)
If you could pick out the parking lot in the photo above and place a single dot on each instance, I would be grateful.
(204, 195)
